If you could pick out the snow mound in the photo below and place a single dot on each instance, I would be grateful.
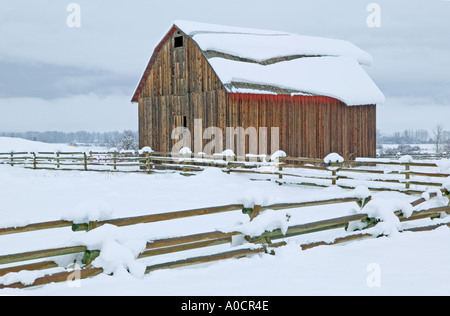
(226, 153)
(117, 252)
(146, 150)
(211, 174)
(333, 157)
(384, 210)
(254, 196)
(361, 192)
(266, 221)
(443, 165)
(185, 151)
(446, 184)
(88, 211)
(277, 155)
(405, 159)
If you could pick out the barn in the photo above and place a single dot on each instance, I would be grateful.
(212, 87)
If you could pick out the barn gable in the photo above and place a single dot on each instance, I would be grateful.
(178, 86)
(173, 58)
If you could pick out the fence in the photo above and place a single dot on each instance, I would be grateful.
(417, 156)
(314, 172)
(394, 175)
(266, 242)
(129, 161)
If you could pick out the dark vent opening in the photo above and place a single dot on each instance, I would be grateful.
(178, 41)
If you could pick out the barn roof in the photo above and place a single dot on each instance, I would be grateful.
(267, 62)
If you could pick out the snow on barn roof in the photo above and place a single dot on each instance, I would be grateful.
(263, 45)
(272, 62)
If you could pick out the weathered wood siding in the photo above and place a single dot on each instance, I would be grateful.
(309, 126)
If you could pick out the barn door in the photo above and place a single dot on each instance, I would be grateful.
(179, 121)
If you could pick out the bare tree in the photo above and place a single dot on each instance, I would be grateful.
(438, 137)
(128, 141)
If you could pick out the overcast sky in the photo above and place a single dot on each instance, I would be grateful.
(54, 77)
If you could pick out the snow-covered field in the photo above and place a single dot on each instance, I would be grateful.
(9, 144)
(399, 264)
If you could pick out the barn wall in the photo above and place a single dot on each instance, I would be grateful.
(309, 126)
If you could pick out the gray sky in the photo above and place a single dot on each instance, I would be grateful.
(53, 77)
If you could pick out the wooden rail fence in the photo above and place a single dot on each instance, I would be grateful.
(257, 244)
(129, 161)
(304, 171)
(156, 247)
(343, 171)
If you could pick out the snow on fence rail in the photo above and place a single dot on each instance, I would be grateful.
(260, 241)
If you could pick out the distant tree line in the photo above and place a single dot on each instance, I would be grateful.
(122, 140)
(407, 140)
(129, 139)
(419, 136)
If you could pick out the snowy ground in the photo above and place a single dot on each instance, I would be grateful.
(395, 265)
(9, 144)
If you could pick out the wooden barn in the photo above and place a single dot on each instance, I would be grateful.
(306, 96)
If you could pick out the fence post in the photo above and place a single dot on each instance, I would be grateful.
(115, 160)
(280, 167)
(407, 175)
(363, 202)
(34, 161)
(253, 213)
(85, 162)
(89, 256)
(334, 176)
(147, 161)
(12, 159)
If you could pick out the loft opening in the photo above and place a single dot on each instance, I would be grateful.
(178, 41)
